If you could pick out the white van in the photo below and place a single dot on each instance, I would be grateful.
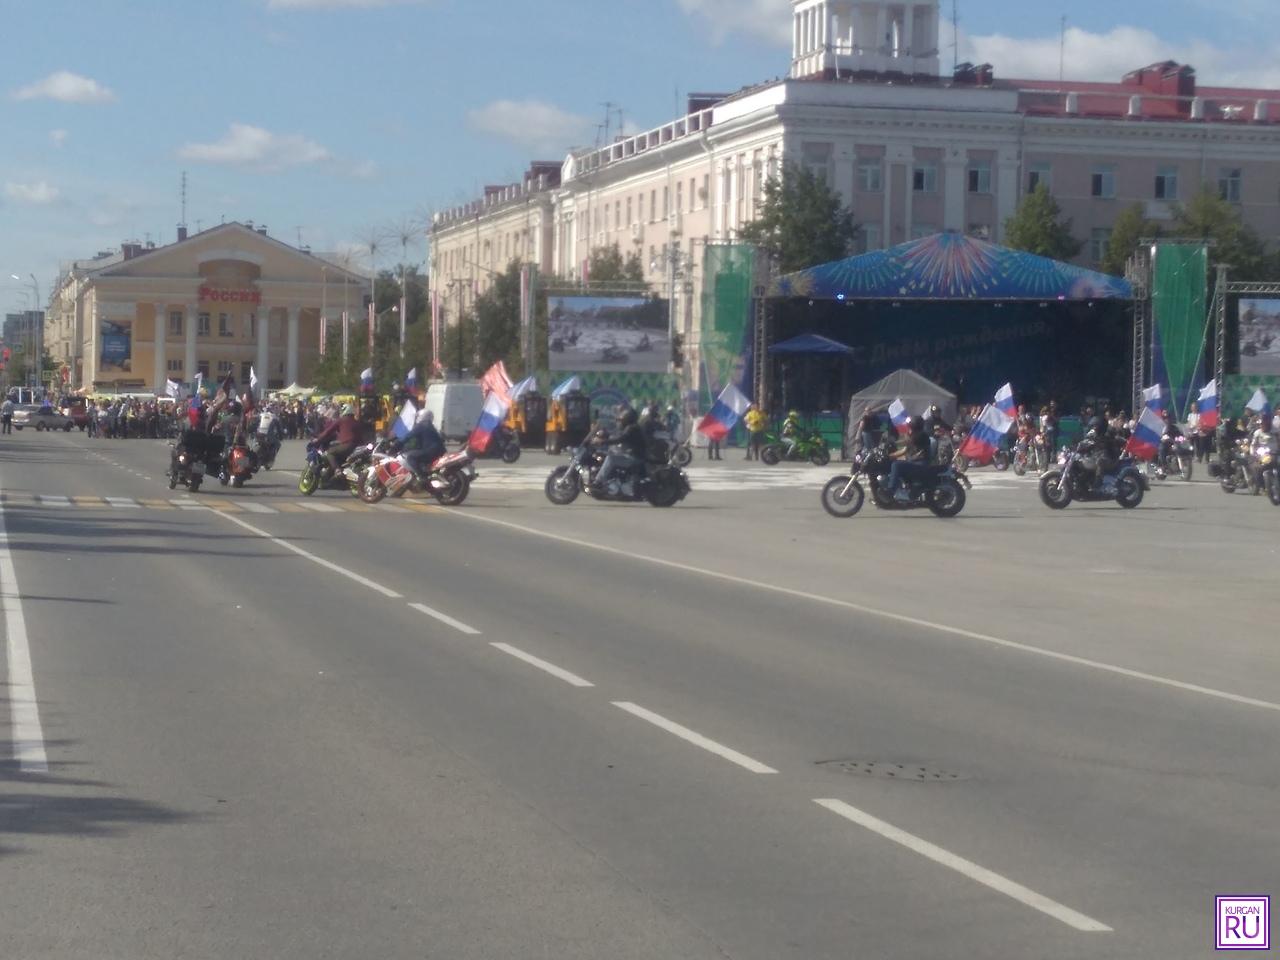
(456, 407)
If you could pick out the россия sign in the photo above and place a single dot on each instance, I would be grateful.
(218, 295)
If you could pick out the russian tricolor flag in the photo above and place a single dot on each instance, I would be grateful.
(1145, 442)
(1259, 403)
(984, 439)
(405, 422)
(1209, 406)
(898, 416)
(495, 411)
(1004, 401)
(1153, 398)
(725, 413)
(366, 378)
(411, 381)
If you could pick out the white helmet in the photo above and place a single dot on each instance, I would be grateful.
(424, 416)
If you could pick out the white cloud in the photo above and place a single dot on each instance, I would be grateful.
(334, 4)
(534, 124)
(256, 148)
(363, 170)
(767, 19)
(58, 137)
(39, 192)
(67, 87)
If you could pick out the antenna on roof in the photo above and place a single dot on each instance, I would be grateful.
(299, 229)
(1062, 51)
(183, 195)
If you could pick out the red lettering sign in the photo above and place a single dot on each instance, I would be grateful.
(219, 295)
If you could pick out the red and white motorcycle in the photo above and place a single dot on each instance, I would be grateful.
(448, 479)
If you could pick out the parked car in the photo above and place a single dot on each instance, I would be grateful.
(28, 416)
(78, 411)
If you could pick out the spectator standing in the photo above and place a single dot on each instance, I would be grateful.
(755, 422)
(6, 416)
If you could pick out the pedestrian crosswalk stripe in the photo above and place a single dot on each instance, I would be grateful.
(290, 508)
(123, 503)
(52, 501)
(87, 501)
(156, 505)
(225, 506)
(252, 507)
(320, 507)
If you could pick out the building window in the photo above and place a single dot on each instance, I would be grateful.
(245, 369)
(653, 206)
(617, 215)
(870, 176)
(1099, 244)
(924, 178)
(1038, 173)
(980, 177)
(630, 219)
(816, 158)
(1167, 183)
(224, 325)
(175, 323)
(921, 230)
(1229, 179)
(1103, 183)
(224, 368)
(666, 202)
(202, 325)
(202, 368)
(175, 366)
(871, 236)
(705, 195)
(679, 196)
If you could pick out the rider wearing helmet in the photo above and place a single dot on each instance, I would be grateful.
(911, 462)
(628, 450)
(423, 444)
(791, 431)
(341, 437)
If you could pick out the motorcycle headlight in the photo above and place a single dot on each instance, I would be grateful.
(182, 458)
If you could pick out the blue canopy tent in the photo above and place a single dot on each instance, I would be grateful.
(812, 359)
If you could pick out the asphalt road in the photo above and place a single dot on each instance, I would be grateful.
(736, 728)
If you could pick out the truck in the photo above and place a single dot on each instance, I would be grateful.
(456, 407)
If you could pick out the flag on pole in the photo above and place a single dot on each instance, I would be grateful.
(572, 385)
(984, 438)
(404, 423)
(199, 382)
(436, 365)
(1209, 406)
(324, 334)
(1004, 401)
(1259, 403)
(725, 413)
(496, 380)
(1153, 397)
(253, 380)
(1145, 441)
(366, 380)
(898, 416)
(411, 380)
(172, 388)
(495, 411)
(373, 320)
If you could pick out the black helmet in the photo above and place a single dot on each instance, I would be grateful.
(628, 417)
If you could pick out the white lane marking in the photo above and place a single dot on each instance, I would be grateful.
(194, 506)
(123, 503)
(966, 867)
(319, 507)
(24, 709)
(570, 678)
(697, 739)
(52, 501)
(320, 561)
(252, 507)
(445, 618)
(875, 612)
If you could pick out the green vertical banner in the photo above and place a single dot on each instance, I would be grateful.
(1179, 299)
(725, 348)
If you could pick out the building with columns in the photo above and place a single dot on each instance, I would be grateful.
(910, 151)
(216, 303)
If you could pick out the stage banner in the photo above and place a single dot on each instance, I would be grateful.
(1179, 298)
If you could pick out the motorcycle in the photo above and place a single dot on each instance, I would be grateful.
(504, 444)
(190, 457)
(448, 479)
(941, 489)
(1242, 473)
(1177, 458)
(1074, 479)
(1268, 470)
(809, 446)
(317, 475)
(265, 448)
(612, 355)
(238, 465)
(661, 485)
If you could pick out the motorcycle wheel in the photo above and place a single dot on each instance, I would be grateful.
(961, 462)
(946, 499)
(1129, 491)
(371, 491)
(1273, 489)
(842, 497)
(238, 481)
(66, 428)
(1228, 485)
(223, 478)
(770, 456)
(39, 428)
(459, 487)
(562, 487)
(820, 457)
(1053, 493)
(511, 453)
(683, 456)
(1019, 468)
(1000, 461)
(663, 490)
(173, 483)
(882, 498)
(1186, 464)
(308, 482)
(194, 485)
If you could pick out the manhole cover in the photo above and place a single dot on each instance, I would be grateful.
(885, 770)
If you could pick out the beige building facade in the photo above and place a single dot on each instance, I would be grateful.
(217, 303)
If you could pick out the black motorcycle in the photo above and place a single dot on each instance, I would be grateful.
(940, 488)
(193, 455)
(661, 485)
(503, 445)
(1076, 478)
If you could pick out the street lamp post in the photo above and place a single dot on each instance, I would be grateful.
(37, 332)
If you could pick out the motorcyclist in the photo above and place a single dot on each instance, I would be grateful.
(791, 431)
(1229, 433)
(423, 445)
(911, 463)
(1170, 433)
(628, 450)
(1102, 441)
(339, 438)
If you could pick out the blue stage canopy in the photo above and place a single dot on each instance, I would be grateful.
(950, 266)
(810, 343)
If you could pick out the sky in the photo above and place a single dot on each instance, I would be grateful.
(340, 121)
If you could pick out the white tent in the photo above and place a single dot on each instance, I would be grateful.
(917, 393)
(294, 391)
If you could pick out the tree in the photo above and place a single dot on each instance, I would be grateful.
(1208, 217)
(802, 221)
(1130, 227)
(497, 318)
(1038, 227)
(608, 265)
